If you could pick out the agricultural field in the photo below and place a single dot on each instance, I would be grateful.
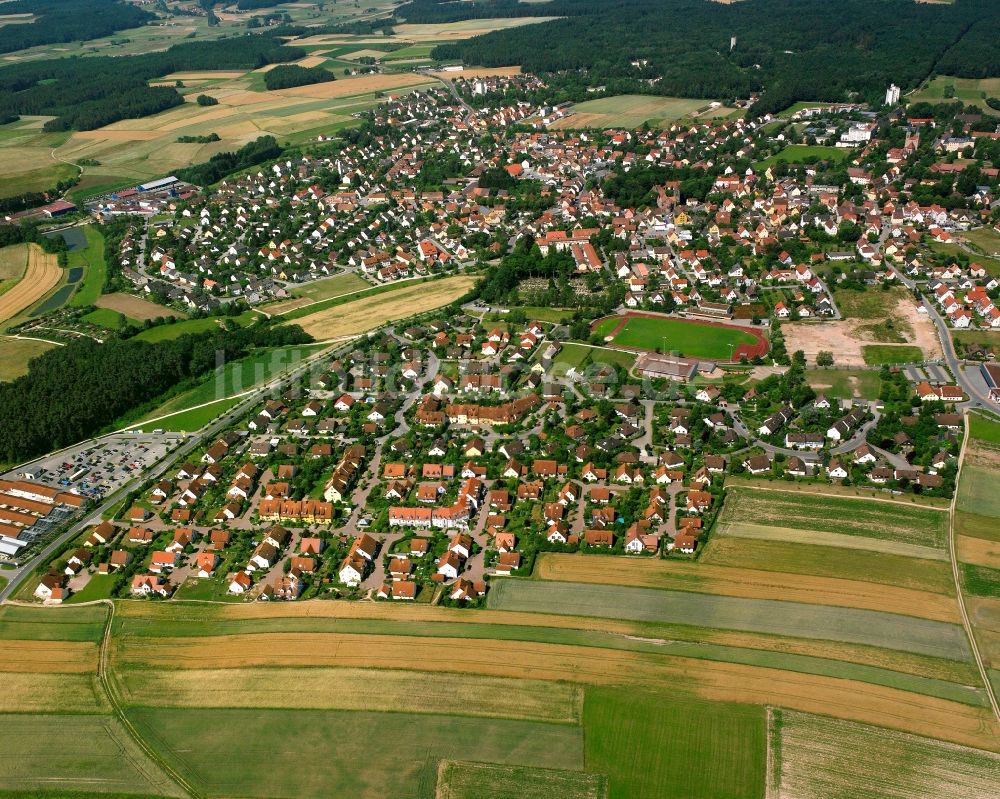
(331, 287)
(361, 315)
(692, 339)
(41, 275)
(199, 744)
(703, 578)
(108, 319)
(972, 91)
(13, 262)
(466, 29)
(632, 110)
(134, 307)
(859, 517)
(647, 746)
(845, 383)
(465, 780)
(795, 619)
(130, 151)
(836, 759)
(805, 154)
(16, 352)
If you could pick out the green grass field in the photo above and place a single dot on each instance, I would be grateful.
(984, 429)
(977, 525)
(843, 515)
(980, 580)
(465, 780)
(580, 356)
(99, 587)
(357, 754)
(331, 287)
(189, 420)
(94, 756)
(176, 329)
(674, 335)
(830, 561)
(106, 318)
(631, 111)
(805, 154)
(872, 628)
(95, 269)
(845, 383)
(40, 624)
(883, 354)
(970, 90)
(977, 491)
(824, 757)
(985, 238)
(15, 354)
(672, 748)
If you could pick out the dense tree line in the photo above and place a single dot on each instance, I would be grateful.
(222, 164)
(85, 93)
(288, 76)
(72, 392)
(68, 21)
(803, 50)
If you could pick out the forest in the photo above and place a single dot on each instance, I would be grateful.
(220, 165)
(87, 93)
(58, 21)
(72, 392)
(288, 76)
(787, 51)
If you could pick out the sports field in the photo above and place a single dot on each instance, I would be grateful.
(689, 338)
(632, 110)
(804, 154)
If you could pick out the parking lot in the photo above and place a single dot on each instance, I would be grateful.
(97, 468)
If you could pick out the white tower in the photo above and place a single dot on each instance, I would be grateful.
(892, 94)
(732, 43)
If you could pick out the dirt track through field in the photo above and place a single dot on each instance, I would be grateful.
(841, 698)
(42, 275)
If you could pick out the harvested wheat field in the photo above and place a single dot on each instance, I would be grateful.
(151, 620)
(348, 87)
(70, 657)
(746, 583)
(365, 314)
(134, 307)
(41, 276)
(828, 539)
(419, 32)
(396, 691)
(51, 693)
(839, 760)
(848, 699)
(978, 551)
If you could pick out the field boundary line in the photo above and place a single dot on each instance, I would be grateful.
(970, 633)
(119, 711)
